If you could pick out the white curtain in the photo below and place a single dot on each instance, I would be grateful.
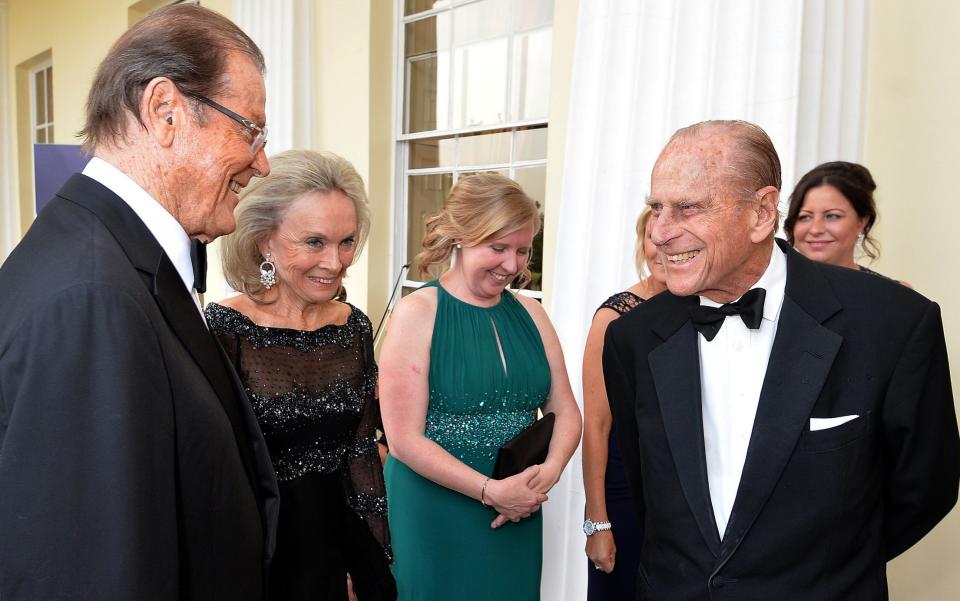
(643, 69)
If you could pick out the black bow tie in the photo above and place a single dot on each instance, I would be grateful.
(708, 320)
(198, 256)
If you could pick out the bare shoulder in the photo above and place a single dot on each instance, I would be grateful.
(419, 303)
(532, 305)
(603, 318)
(240, 303)
(415, 312)
(409, 331)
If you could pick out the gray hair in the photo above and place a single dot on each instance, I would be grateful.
(753, 163)
(187, 43)
(265, 201)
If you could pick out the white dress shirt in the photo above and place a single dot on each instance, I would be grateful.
(732, 369)
(168, 232)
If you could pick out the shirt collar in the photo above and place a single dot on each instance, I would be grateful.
(165, 228)
(773, 280)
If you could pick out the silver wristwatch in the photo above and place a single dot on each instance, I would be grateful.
(590, 527)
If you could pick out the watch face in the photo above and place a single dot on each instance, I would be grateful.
(588, 527)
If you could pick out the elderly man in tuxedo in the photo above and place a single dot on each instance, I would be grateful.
(787, 426)
(131, 466)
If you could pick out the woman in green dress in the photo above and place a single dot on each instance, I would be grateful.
(465, 366)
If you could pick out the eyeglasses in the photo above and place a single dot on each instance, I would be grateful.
(258, 133)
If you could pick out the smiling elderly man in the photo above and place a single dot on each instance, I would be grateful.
(787, 427)
(131, 466)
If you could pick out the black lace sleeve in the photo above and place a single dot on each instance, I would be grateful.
(621, 302)
(364, 484)
(216, 316)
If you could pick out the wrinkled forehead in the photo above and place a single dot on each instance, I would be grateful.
(244, 88)
(701, 162)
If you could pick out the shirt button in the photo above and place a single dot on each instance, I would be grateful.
(738, 347)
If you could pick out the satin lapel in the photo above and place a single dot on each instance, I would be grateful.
(800, 361)
(675, 367)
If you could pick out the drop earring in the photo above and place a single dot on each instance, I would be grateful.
(268, 272)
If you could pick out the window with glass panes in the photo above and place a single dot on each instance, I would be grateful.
(475, 77)
(41, 93)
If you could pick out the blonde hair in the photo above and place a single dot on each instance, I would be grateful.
(265, 201)
(640, 258)
(481, 207)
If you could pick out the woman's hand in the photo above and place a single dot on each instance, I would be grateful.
(513, 497)
(548, 476)
(602, 550)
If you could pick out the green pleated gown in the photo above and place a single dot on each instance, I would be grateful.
(443, 545)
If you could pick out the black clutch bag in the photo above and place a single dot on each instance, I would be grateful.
(525, 449)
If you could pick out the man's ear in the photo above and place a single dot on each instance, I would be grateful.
(161, 110)
(767, 213)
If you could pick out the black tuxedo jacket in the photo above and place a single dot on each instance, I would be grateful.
(131, 465)
(818, 513)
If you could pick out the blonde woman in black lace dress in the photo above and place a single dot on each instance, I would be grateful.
(306, 362)
(614, 531)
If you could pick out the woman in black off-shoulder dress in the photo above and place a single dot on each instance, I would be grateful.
(306, 361)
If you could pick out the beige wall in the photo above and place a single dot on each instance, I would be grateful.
(911, 146)
(78, 35)
(36, 27)
(341, 54)
(561, 73)
(353, 51)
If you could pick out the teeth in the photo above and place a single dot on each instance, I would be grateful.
(683, 256)
(498, 276)
(235, 186)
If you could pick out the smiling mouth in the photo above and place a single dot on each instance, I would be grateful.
(500, 277)
(324, 281)
(683, 257)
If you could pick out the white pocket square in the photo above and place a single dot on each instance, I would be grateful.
(825, 423)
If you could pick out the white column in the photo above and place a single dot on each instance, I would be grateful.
(643, 69)
(9, 204)
(282, 29)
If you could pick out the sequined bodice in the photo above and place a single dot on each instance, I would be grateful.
(308, 388)
(314, 394)
(476, 404)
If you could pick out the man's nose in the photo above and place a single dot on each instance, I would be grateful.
(260, 164)
(663, 229)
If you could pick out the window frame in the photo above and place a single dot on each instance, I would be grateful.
(401, 155)
(35, 126)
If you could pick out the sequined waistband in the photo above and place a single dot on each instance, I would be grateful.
(295, 462)
(476, 431)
